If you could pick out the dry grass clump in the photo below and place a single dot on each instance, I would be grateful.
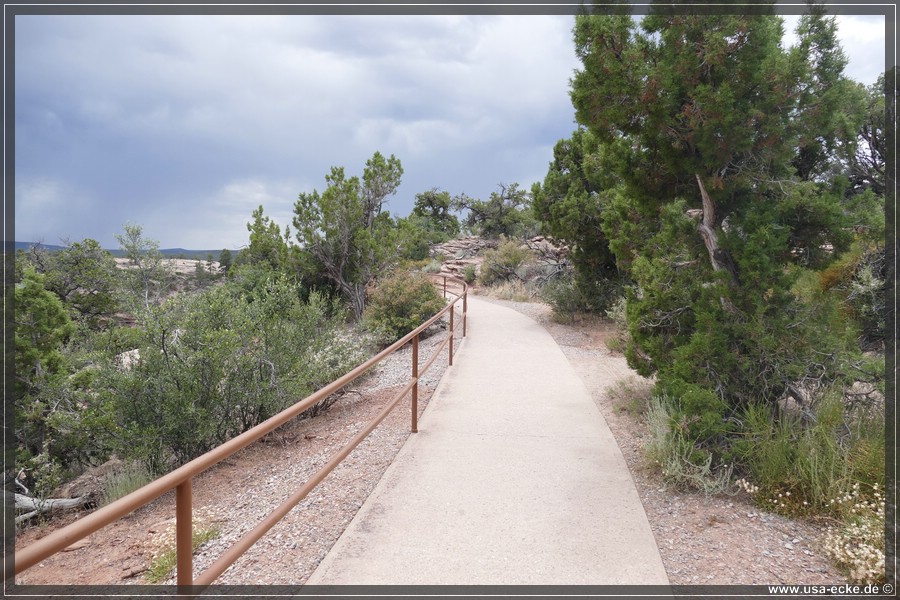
(163, 555)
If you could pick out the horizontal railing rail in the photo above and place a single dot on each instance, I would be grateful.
(181, 478)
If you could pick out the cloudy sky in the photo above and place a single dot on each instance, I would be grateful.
(185, 124)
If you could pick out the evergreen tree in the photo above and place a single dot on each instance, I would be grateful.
(703, 128)
(506, 213)
(570, 204)
(435, 206)
(267, 245)
(344, 229)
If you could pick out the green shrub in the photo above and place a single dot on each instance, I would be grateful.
(504, 263)
(676, 456)
(124, 480)
(570, 294)
(469, 274)
(831, 464)
(698, 412)
(400, 303)
(216, 363)
(801, 465)
(434, 266)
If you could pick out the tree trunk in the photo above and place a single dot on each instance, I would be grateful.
(718, 257)
(357, 293)
(40, 506)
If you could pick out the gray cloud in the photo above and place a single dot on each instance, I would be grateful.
(184, 124)
(153, 118)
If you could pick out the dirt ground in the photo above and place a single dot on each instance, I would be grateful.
(702, 540)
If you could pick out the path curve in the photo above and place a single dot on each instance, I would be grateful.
(513, 479)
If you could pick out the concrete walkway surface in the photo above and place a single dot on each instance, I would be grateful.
(513, 479)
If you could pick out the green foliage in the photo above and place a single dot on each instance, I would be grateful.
(616, 313)
(569, 295)
(434, 266)
(123, 480)
(344, 231)
(715, 193)
(44, 473)
(674, 453)
(147, 278)
(218, 362)
(830, 107)
(505, 263)
(415, 236)
(866, 167)
(435, 207)
(82, 275)
(267, 245)
(859, 281)
(225, 260)
(570, 204)
(801, 465)
(470, 273)
(400, 303)
(42, 327)
(506, 213)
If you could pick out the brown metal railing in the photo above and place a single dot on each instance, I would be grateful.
(180, 479)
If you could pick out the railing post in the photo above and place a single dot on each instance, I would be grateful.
(184, 534)
(452, 310)
(445, 286)
(415, 387)
(465, 309)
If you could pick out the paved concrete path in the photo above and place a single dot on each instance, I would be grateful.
(513, 478)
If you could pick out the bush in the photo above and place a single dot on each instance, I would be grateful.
(571, 294)
(858, 545)
(859, 280)
(801, 468)
(124, 480)
(504, 263)
(469, 274)
(515, 291)
(434, 266)
(216, 363)
(672, 451)
(830, 463)
(400, 303)
(617, 314)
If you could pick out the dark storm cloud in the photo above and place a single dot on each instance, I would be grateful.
(184, 124)
(128, 118)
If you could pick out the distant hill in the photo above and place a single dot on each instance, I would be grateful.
(170, 252)
(27, 245)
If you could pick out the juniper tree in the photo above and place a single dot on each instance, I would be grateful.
(703, 127)
(344, 228)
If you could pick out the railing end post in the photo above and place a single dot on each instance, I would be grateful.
(184, 529)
